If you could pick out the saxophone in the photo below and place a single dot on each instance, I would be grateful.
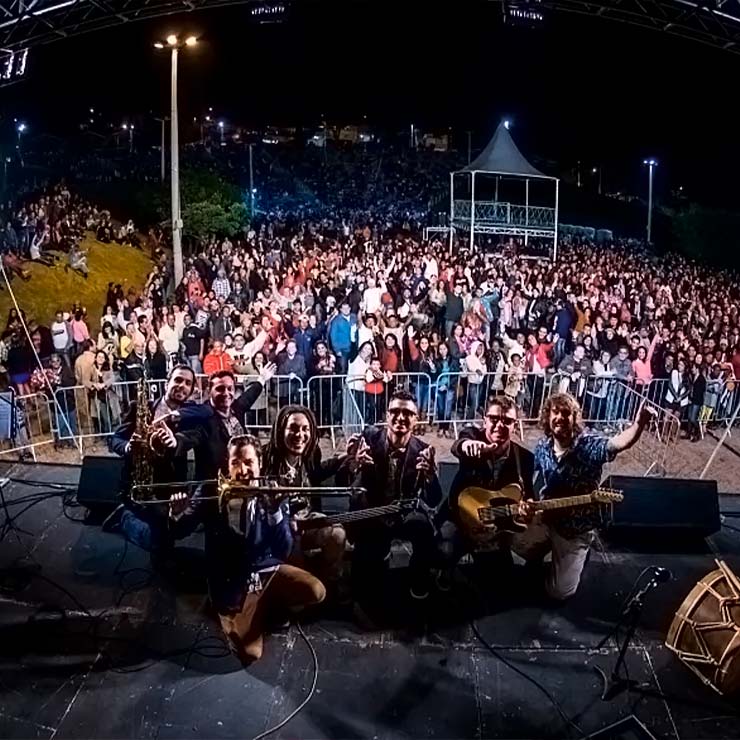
(142, 468)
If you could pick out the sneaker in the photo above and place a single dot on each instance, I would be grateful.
(112, 523)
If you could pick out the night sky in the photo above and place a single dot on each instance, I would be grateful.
(578, 89)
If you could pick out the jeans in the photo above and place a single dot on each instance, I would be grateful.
(145, 528)
(568, 557)
(445, 398)
(475, 391)
(66, 423)
(559, 353)
(342, 362)
(422, 397)
(614, 402)
(195, 364)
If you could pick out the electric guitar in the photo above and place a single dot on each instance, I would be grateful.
(485, 514)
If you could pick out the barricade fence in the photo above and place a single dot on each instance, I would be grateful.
(341, 403)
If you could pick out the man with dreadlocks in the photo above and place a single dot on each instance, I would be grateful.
(293, 457)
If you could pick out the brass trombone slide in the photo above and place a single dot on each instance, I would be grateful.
(240, 489)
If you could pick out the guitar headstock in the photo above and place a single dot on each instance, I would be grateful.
(607, 496)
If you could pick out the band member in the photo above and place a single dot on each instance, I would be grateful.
(490, 459)
(569, 461)
(224, 419)
(247, 541)
(145, 525)
(392, 464)
(293, 457)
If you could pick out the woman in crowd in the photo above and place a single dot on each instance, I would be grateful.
(696, 401)
(323, 391)
(421, 362)
(475, 365)
(109, 342)
(356, 373)
(19, 363)
(155, 360)
(80, 332)
(447, 383)
(103, 401)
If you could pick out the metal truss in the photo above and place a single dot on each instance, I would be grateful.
(712, 22)
(25, 23)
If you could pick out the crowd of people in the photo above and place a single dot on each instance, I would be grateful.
(357, 300)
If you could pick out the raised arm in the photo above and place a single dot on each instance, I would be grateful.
(629, 437)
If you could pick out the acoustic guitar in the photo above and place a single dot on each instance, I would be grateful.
(485, 514)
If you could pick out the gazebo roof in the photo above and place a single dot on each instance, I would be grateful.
(502, 157)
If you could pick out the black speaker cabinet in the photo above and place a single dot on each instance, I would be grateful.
(100, 481)
(676, 506)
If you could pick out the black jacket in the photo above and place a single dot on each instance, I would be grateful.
(210, 439)
(169, 467)
(484, 474)
(375, 478)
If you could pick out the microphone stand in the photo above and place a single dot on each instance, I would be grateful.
(616, 684)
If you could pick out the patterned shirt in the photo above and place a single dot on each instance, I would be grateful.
(221, 287)
(577, 472)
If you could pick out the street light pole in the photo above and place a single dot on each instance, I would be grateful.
(175, 45)
(162, 163)
(652, 164)
(251, 184)
(175, 172)
(470, 146)
(20, 128)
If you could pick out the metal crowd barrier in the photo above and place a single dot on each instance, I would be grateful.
(344, 405)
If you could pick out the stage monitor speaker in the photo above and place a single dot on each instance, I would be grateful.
(100, 481)
(676, 506)
(446, 471)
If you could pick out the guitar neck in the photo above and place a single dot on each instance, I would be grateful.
(350, 516)
(564, 503)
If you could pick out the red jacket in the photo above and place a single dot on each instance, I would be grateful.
(212, 363)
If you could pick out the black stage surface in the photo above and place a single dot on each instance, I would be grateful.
(94, 647)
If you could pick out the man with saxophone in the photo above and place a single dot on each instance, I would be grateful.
(140, 441)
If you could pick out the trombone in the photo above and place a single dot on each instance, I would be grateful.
(230, 489)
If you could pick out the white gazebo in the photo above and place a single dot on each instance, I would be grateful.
(502, 161)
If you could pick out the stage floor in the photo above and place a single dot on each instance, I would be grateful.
(94, 644)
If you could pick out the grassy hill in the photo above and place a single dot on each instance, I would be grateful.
(51, 288)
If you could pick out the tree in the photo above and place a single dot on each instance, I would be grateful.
(206, 217)
(209, 205)
(708, 234)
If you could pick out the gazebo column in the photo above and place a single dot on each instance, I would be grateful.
(452, 207)
(472, 211)
(526, 211)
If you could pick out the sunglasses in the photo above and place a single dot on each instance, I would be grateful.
(505, 420)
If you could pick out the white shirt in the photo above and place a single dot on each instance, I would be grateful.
(59, 335)
(364, 334)
(371, 299)
(170, 339)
